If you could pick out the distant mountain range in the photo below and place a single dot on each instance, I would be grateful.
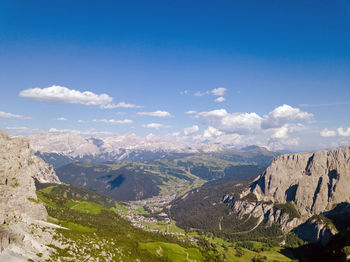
(62, 149)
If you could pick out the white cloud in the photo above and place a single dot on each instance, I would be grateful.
(9, 115)
(176, 134)
(113, 121)
(62, 94)
(241, 123)
(279, 144)
(248, 123)
(191, 112)
(157, 113)
(80, 132)
(191, 130)
(120, 113)
(201, 94)
(155, 126)
(218, 91)
(211, 132)
(125, 105)
(343, 132)
(185, 92)
(61, 119)
(284, 114)
(328, 133)
(281, 132)
(215, 92)
(124, 121)
(82, 121)
(220, 99)
(21, 129)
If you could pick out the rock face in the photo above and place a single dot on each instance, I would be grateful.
(20, 212)
(313, 181)
(294, 188)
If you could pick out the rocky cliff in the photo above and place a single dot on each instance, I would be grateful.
(22, 232)
(313, 181)
(295, 188)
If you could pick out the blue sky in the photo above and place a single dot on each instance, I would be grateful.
(158, 54)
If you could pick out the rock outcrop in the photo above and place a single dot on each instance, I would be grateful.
(21, 214)
(313, 181)
(295, 188)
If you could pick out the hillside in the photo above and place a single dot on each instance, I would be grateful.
(127, 180)
(94, 231)
(305, 194)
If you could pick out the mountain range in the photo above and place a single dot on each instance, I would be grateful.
(64, 148)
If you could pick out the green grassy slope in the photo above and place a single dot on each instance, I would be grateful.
(93, 229)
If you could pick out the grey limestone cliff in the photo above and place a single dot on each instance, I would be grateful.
(313, 181)
(21, 215)
(295, 188)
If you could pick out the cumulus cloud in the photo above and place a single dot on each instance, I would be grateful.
(61, 119)
(280, 121)
(191, 112)
(82, 121)
(218, 91)
(191, 130)
(185, 92)
(241, 123)
(91, 132)
(211, 132)
(284, 114)
(283, 131)
(220, 99)
(125, 105)
(328, 133)
(157, 113)
(113, 121)
(344, 132)
(9, 115)
(155, 126)
(63, 94)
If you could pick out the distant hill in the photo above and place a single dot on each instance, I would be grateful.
(130, 180)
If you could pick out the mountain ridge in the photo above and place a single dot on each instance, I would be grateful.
(69, 147)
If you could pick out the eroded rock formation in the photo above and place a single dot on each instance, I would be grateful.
(21, 214)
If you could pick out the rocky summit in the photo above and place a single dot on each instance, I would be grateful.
(313, 181)
(23, 232)
(295, 189)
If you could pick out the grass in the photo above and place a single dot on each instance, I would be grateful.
(48, 189)
(87, 207)
(101, 233)
(119, 207)
(288, 208)
(232, 250)
(141, 211)
(46, 200)
(77, 227)
(173, 252)
(37, 201)
(164, 227)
